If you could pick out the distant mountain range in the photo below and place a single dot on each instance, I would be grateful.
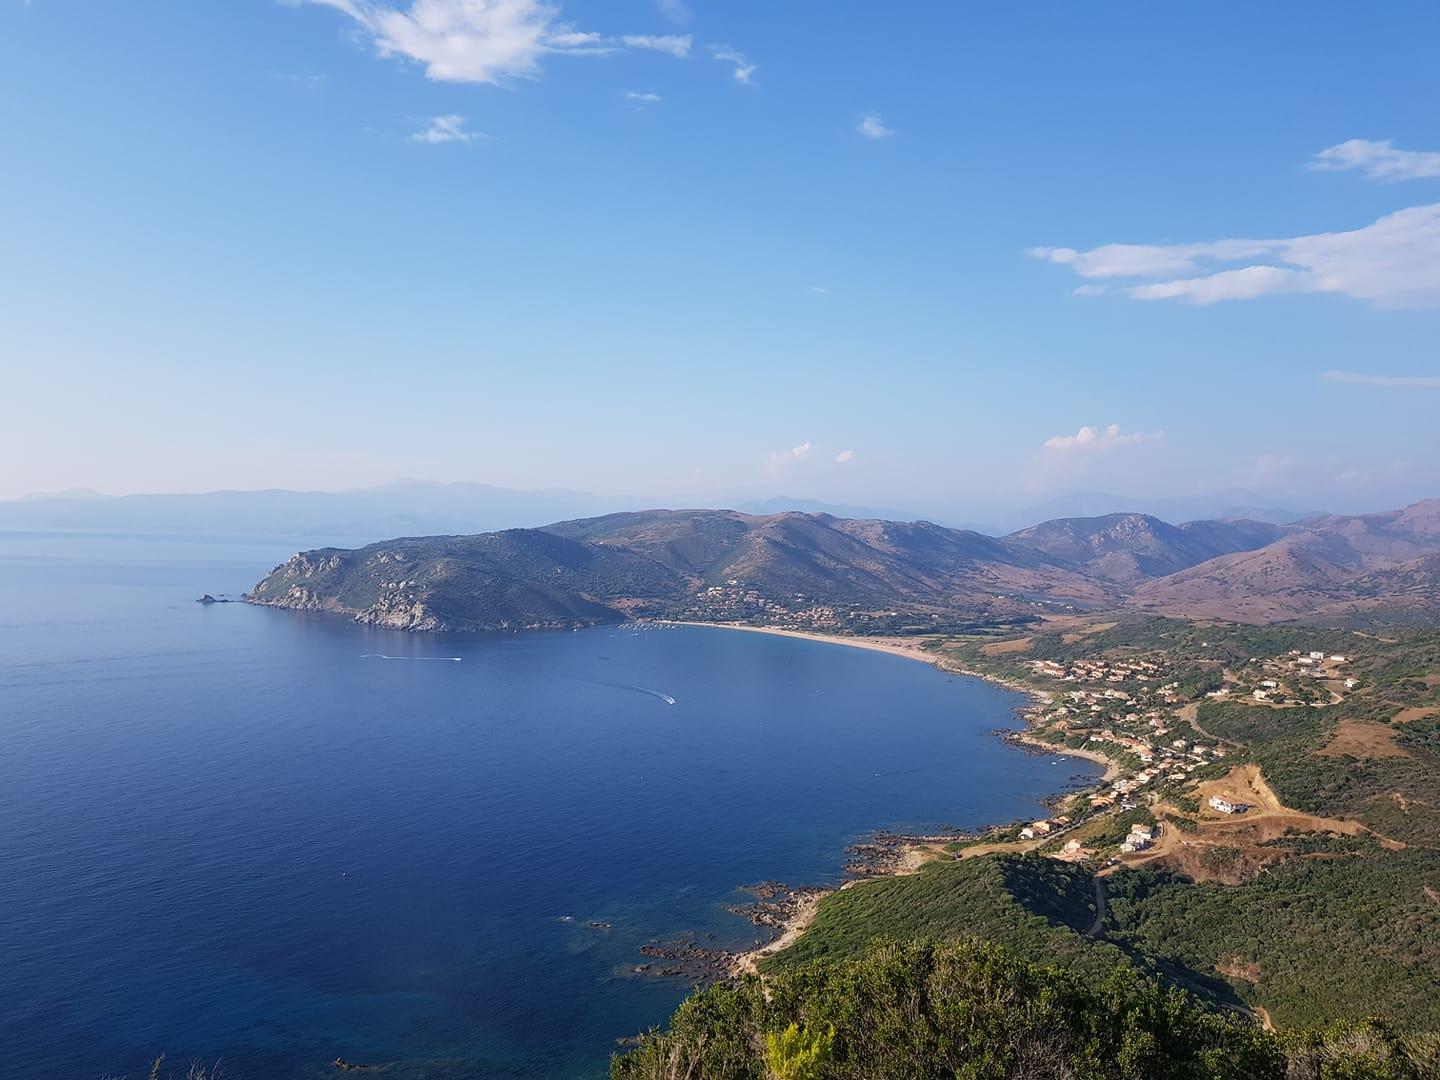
(827, 572)
(419, 508)
(406, 508)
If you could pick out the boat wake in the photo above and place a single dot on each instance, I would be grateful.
(382, 656)
(632, 689)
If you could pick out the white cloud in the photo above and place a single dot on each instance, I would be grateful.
(480, 41)
(445, 129)
(1094, 440)
(677, 45)
(782, 461)
(674, 10)
(483, 41)
(872, 127)
(1393, 263)
(744, 69)
(1391, 382)
(844, 457)
(641, 98)
(817, 290)
(1379, 160)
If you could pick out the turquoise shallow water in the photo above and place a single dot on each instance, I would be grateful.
(235, 832)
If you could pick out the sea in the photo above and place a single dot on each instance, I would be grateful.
(271, 839)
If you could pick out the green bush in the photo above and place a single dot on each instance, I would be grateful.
(798, 1054)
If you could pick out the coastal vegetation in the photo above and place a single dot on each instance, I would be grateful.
(976, 1011)
(1315, 908)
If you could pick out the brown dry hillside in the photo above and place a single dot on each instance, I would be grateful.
(1331, 562)
(1130, 548)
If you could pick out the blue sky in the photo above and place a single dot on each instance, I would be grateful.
(983, 253)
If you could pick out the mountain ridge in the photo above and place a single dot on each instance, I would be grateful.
(856, 575)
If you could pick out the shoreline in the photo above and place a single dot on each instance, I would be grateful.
(893, 645)
(897, 646)
(915, 855)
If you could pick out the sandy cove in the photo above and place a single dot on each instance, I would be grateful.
(916, 855)
(913, 648)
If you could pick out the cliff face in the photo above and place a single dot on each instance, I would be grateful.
(524, 579)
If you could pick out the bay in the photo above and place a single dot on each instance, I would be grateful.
(277, 839)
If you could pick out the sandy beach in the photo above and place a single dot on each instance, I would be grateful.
(911, 648)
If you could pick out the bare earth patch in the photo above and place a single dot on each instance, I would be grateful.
(1006, 648)
(1232, 967)
(1243, 784)
(1358, 739)
(1240, 838)
(1081, 633)
(1409, 716)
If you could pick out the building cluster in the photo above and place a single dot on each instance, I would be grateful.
(1294, 679)
(1100, 670)
(1140, 838)
(1046, 827)
(1126, 709)
(1125, 705)
(1133, 711)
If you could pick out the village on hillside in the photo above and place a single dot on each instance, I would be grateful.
(1138, 713)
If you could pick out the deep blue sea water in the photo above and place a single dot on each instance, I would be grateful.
(235, 832)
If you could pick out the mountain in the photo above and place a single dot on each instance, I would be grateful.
(1321, 562)
(701, 564)
(825, 572)
(1129, 548)
(1232, 504)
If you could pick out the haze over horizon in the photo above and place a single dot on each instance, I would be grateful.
(722, 252)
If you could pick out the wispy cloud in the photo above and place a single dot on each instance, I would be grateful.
(641, 98)
(446, 129)
(801, 451)
(1379, 160)
(1390, 382)
(1393, 263)
(677, 45)
(844, 457)
(1094, 440)
(674, 10)
(305, 79)
(817, 290)
(744, 69)
(872, 127)
(483, 41)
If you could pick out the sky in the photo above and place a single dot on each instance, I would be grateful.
(879, 254)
